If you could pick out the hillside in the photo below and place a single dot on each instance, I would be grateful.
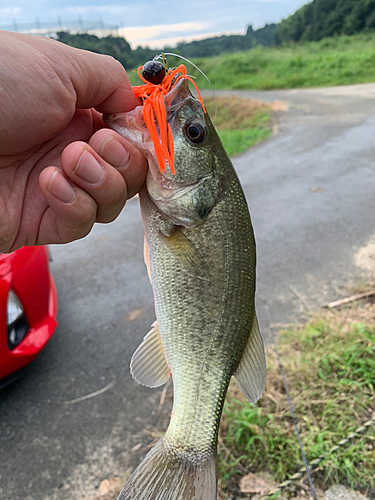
(228, 43)
(326, 18)
(116, 47)
(120, 49)
(312, 22)
(339, 60)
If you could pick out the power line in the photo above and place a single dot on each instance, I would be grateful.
(50, 28)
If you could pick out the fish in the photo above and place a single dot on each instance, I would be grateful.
(201, 258)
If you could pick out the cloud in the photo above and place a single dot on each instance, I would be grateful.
(10, 11)
(168, 21)
(144, 35)
(161, 42)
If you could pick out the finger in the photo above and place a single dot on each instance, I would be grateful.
(126, 158)
(71, 212)
(99, 80)
(87, 170)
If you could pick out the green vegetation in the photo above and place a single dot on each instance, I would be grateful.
(332, 61)
(326, 18)
(241, 123)
(343, 52)
(227, 43)
(116, 47)
(316, 50)
(119, 48)
(314, 21)
(330, 367)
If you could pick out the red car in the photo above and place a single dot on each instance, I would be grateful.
(28, 308)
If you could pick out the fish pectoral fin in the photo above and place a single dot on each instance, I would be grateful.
(251, 372)
(148, 365)
(187, 255)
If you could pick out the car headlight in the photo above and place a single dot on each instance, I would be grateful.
(16, 321)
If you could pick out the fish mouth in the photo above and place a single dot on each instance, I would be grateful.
(132, 127)
(177, 95)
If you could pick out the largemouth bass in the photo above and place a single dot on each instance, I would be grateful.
(201, 253)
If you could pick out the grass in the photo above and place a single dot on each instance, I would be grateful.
(332, 61)
(240, 122)
(330, 366)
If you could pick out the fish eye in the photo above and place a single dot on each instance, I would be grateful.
(196, 132)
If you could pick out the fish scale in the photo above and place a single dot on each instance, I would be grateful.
(201, 257)
(194, 330)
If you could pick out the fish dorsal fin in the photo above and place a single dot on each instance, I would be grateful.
(187, 255)
(251, 372)
(148, 365)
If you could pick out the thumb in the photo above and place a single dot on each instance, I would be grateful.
(99, 81)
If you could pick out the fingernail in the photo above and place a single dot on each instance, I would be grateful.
(61, 188)
(115, 153)
(89, 169)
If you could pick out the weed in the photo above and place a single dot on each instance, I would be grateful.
(335, 61)
(240, 122)
(330, 366)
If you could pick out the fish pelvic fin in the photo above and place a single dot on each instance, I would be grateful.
(167, 474)
(251, 371)
(148, 365)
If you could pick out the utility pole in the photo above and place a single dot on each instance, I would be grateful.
(80, 23)
(15, 27)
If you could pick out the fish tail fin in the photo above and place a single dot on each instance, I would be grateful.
(168, 473)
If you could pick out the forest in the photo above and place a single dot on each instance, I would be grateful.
(119, 48)
(116, 47)
(326, 18)
(217, 45)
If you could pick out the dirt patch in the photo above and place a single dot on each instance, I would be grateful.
(235, 112)
(364, 258)
(280, 105)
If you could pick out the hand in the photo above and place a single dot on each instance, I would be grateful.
(60, 169)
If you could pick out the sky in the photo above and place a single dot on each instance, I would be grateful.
(154, 23)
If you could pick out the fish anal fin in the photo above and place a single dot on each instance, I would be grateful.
(251, 371)
(148, 365)
(187, 255)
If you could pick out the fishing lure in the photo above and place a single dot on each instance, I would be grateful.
(157, 83)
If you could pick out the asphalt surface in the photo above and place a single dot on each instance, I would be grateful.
(311, 194)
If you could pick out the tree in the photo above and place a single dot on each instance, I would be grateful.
(326, 18)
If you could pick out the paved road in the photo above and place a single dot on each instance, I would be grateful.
(311, 192)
